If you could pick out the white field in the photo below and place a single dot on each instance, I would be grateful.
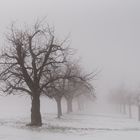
(95, 124)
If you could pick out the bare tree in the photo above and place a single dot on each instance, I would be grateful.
(57, 91)
(137, 102)
(84, 95)
(78, 83)
(71, 85)
(28, 63)
(125, 97)
(118, 96)
(76, 89)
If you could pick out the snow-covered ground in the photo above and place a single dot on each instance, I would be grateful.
(98, 124)
(74, 126)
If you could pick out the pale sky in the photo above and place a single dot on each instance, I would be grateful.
(106, 33)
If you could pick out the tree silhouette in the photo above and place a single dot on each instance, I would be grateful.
(29, 62)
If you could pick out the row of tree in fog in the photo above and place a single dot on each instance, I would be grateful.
(36, 63)
(125, 98)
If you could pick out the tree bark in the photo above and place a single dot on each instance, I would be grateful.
(69, 105)
(59, 108)
(35, 111)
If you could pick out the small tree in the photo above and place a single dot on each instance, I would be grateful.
(118, 96)
(137, 102)
(71, 85)
(84, 94)
(28, 63)
(57, 91)
(78, 83)
(76, 89)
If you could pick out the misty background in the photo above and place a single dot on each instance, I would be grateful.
(105, 34)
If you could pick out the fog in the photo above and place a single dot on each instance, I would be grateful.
(104, 33)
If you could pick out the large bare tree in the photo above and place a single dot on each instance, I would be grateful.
(29, 62)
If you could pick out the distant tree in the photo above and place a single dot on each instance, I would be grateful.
(57, 91)
(125, 98)
(118, 96)
(137, 102)
(84, 95)
(77, 85)
(130, 101)
(29, 61)
(72, 85)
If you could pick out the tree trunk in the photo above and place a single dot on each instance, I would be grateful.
(139, 112)
(35, 111)
(69, 105)
(59, 108)
(80, 105)
(130, 112)
(120, 108)
(124, 108)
